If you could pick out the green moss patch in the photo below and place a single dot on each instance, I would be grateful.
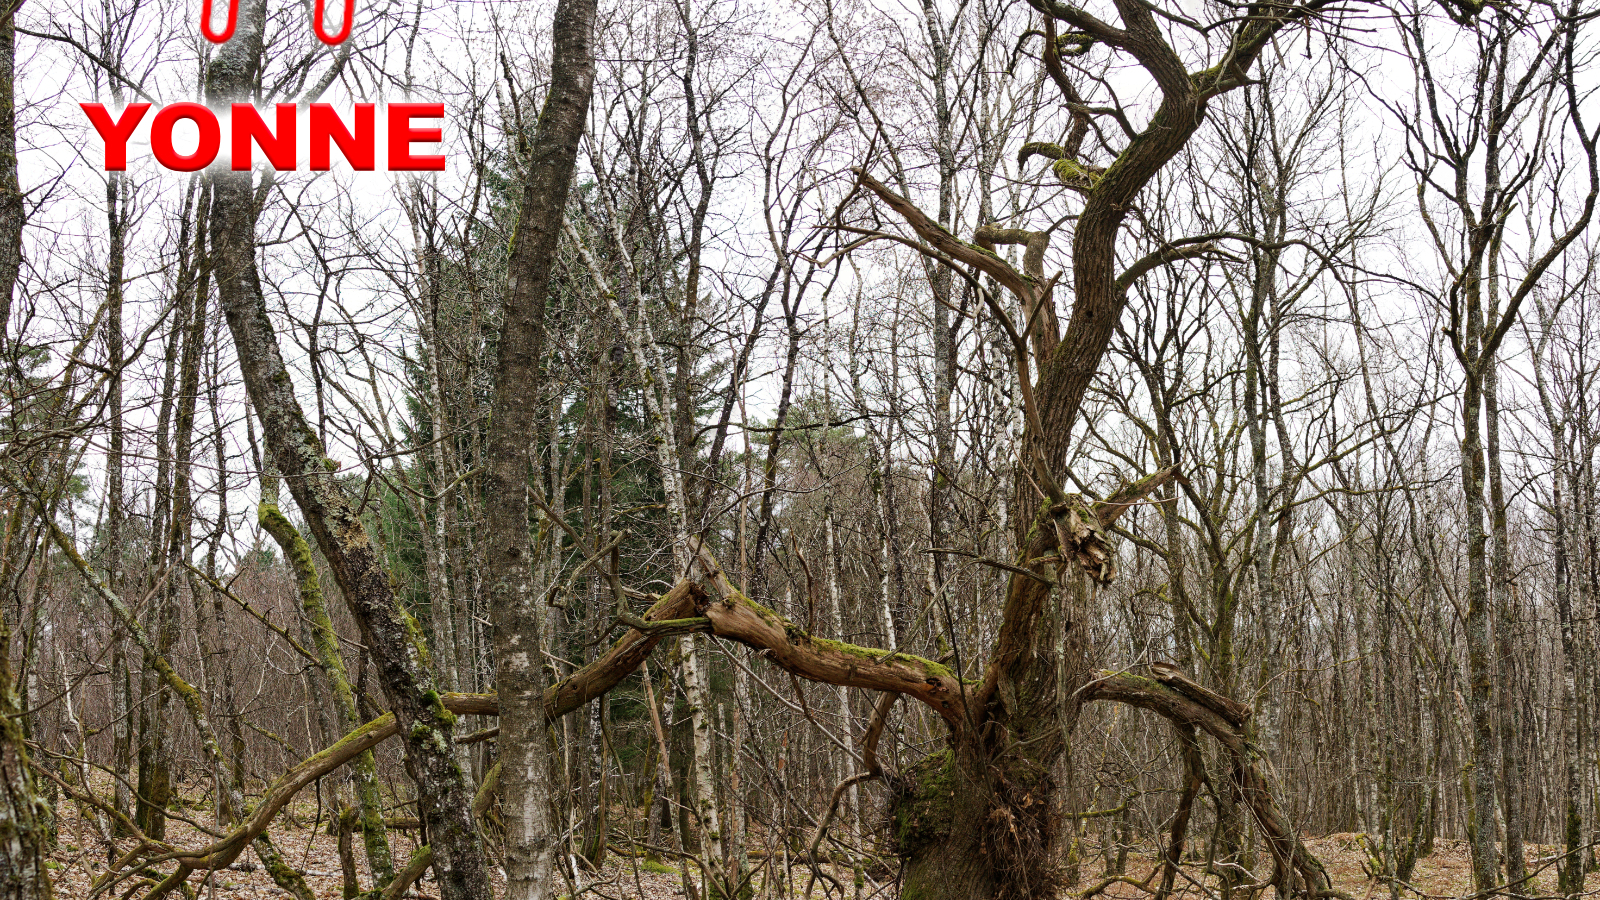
(924, 807)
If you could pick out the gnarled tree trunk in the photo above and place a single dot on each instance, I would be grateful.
(975, 821)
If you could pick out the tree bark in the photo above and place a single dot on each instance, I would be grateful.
(12, 211)
(364, 769)
(1511, 762)
(1483, 819)
(1571, 869)
(529, 776)
(25, 815)
(117, 197)
(445, 797)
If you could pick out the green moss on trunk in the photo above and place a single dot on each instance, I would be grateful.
(364, 769)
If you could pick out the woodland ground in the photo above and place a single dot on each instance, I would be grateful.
(81, 856)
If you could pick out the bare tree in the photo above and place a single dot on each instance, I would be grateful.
(1473, 160)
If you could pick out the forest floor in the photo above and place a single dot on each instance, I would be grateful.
(81, 857)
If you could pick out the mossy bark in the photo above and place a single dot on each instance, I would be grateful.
(977, 821)
(364, 768)
(24, 815)
(934, 805)
(444, 794)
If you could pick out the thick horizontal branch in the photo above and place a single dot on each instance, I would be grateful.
(1166, 255)
(600, 676)
(1109, 509)
(730, 615)
(223, 852)
(791, 648)
(1146, 692)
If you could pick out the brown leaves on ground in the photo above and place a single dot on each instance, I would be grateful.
(81, 856)
(1447, 873)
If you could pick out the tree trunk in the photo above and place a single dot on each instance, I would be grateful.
(1565, 484)
(978, 820)
(12, 211)
(364, 770)
(24, 814)
(662, 792)
(1482, 820)
(697, 693)
(935, 803)
(445, 798)
(529, 773)
(1511, 762)
(154, 780)
(117, 197)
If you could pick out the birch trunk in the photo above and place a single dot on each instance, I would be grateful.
(646, 354)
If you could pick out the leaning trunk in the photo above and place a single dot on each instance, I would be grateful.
(444, 797)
